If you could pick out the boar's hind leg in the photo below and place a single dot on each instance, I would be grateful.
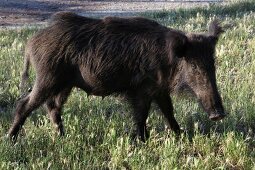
(141, 106)
(26, 105)
(54, 107)
(165, 104)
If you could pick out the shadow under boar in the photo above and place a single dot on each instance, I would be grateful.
(135, 57)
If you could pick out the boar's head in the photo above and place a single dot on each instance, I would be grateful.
(196, 70)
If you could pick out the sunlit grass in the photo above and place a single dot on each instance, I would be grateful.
(97, 131)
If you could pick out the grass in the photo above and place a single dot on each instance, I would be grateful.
(97, 130)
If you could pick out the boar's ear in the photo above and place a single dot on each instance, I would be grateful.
(178, 44)
(215, 29)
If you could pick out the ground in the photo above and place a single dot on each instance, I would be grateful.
(20, 12)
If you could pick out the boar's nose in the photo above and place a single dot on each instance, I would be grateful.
(217, 115)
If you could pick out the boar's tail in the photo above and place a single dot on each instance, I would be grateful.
(25, 75)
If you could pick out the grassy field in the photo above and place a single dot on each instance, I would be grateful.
(97, 131)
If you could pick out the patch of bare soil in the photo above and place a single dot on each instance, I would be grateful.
(27, 12)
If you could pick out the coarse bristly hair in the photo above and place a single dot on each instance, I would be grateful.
(134, 47)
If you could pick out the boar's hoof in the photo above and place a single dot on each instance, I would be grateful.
(217, 116)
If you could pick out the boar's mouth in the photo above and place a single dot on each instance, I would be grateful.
(215, 112)
(182, 89)
(217, 115)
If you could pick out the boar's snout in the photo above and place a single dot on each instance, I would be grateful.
(217, 115)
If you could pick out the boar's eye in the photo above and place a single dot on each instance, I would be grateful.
(193, 65)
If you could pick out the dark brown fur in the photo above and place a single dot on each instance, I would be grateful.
(136, 57)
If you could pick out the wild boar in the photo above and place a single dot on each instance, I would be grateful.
(134, 57)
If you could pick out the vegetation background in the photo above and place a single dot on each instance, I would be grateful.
(97, 131)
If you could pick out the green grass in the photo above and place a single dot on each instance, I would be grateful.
(97, 130)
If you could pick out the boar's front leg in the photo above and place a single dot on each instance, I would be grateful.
(165, 104)
(141, 105)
